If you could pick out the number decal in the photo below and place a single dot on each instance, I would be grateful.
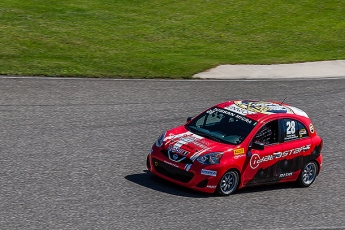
(291, 127)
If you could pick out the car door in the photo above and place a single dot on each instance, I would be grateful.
(296, 145)
(261, 165)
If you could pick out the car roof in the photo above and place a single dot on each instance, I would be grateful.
(257, 110)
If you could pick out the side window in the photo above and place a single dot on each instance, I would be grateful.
(268, 134)
(294, 130)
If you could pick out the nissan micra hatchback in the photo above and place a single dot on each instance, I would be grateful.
(236, 144)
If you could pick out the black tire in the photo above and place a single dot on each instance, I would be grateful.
(228, 183)
(308, 174)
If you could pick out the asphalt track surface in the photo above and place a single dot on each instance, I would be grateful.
(73, 151)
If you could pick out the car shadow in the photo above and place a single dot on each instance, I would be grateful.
(269, 187)
(148, 180)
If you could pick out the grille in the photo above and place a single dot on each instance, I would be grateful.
(184, 161)
(172, 172)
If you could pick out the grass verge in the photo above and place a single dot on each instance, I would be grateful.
(164, 38)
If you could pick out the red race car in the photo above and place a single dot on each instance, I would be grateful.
(236, 144)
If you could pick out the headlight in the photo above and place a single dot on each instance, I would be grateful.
(210, 159)
(160, 140)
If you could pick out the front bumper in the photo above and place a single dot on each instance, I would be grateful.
(319, 161)
(194, 175)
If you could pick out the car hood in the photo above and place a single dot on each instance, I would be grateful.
(183, 142)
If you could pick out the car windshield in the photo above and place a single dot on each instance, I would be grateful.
(221, 125)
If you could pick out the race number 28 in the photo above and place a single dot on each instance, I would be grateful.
(291, 127)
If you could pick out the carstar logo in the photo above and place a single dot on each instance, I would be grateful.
(255, 160)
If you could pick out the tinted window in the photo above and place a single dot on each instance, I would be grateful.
(294, 130)
(222, 125)
(268, 134)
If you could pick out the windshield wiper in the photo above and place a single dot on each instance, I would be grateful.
(213, 137)
(203, 134)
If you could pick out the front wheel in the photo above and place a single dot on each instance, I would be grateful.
(308, 174)
(228, 183)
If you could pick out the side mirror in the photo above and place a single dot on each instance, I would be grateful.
(189, 119)
(258, 146)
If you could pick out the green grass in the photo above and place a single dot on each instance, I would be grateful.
(164, 38)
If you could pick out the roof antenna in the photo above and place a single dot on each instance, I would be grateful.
(282, 101)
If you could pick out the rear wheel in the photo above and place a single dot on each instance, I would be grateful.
(228, 183)
(308, 174)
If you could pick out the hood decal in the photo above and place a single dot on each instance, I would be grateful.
(186, 143)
